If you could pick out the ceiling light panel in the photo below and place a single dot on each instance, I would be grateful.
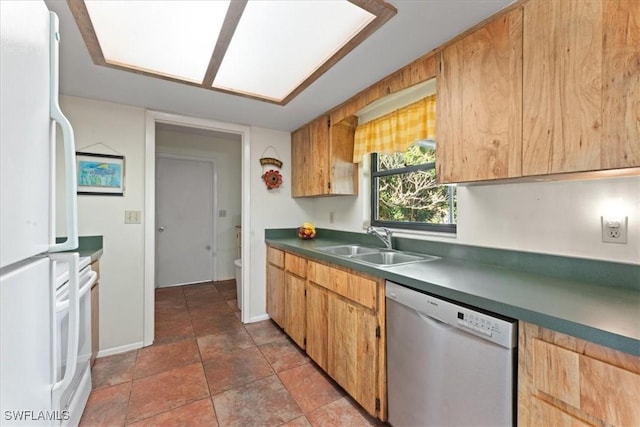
(278, 44)
(169, 38)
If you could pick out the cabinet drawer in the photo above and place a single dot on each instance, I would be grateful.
(596, 388)
(296, 265)
(275, 257)
(356, 288)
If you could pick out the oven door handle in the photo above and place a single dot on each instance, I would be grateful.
(64, 305)
(74, 325)
(88, 284)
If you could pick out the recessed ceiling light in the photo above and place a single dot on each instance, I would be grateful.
(262, 49)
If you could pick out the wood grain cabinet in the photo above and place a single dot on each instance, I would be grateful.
(338, 317)
(275, 285)
(550, 87)
(95, 314)
(565, 381)
(345, 326)
(322, 158)
(294, 297)
(581, 85)
(317, 324)
(479, 101)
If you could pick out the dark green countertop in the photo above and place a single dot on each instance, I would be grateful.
(602, 306)
(88, 246)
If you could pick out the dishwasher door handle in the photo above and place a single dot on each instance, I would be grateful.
(433, 321)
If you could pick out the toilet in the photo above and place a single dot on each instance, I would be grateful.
(238, 264)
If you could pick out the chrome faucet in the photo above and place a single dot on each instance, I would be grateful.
(386, 238)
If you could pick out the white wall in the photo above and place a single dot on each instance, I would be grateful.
(552, 217)
(102, 127)
(121, 129)
(226, 154)
(559, 218)
(269, 209)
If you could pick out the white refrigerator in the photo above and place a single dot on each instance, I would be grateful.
(40, 318)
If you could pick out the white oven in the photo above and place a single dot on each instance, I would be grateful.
(72, 341)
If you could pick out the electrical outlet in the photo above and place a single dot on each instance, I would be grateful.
(132, 217)
(614, 230)
(331, 217)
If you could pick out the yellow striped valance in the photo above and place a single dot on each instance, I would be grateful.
(396, 131)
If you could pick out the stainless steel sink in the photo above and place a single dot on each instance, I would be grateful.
(379, 257)
(386, 258)
(349, 250)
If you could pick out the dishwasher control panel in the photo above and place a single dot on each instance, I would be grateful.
(483, 325)
(478, 322)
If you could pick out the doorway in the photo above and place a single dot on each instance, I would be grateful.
(185, 222)
(243, 134)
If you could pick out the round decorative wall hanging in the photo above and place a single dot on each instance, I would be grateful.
(272, 179)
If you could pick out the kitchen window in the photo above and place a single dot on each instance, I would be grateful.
(404, 192)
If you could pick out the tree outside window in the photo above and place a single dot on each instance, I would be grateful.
(405, 193)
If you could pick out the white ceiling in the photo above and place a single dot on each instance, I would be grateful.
(418, 27)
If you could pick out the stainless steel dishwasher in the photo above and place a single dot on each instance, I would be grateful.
(447, 364)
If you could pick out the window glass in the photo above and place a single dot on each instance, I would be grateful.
(405, 193)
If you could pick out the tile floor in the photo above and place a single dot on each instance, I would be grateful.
(208, 369)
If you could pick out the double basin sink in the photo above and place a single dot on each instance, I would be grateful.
(379, 257)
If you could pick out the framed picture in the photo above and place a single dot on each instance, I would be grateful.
(100, 174)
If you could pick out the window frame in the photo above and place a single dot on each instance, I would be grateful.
(418, 226)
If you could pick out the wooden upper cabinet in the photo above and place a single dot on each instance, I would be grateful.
(581, 85)
(479, 96)
(322, 158)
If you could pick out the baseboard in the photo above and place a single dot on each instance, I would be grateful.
(122, 349)
(258, 318)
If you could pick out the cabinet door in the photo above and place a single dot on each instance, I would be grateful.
(95, 322)
(581, 85)
(621, 84)
(544, 414)
(343, 173)
(275, 294)
(479, 87)
(563, 380)
(95, 313)
(317, 171)
(353, 350)
(310, 159)
(316, 314)
(295, 309)
(301, 150)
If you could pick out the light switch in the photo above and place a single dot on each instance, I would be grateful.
(132, 217)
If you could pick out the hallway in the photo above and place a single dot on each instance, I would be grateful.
(208, 369)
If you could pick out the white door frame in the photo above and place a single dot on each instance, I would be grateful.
(153, 117)
(213, 272)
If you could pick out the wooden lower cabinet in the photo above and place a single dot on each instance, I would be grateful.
(337, 316)
(345, 325)
(352, 347)
(275, 285)
(566, 381)
(95, 314)
(295, 308)
(317, 324)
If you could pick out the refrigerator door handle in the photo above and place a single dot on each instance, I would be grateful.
(74, 325)
(71, 201)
